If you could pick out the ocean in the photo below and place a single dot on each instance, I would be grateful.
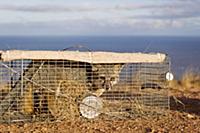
(183, 51)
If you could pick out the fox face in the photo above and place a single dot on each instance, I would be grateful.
(104, 76)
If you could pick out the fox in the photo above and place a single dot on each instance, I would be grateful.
(48, 82)
(104, 77)
(97, 78)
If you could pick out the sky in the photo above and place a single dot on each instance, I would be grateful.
(100, 17)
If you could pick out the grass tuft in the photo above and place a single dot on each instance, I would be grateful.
(189, 81)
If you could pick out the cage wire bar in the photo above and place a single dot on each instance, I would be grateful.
(51, 90)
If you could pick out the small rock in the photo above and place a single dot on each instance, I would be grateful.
(190, 116)
(148, 130)
(25, 125)
(44, 129)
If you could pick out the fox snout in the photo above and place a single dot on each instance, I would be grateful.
(108, 85)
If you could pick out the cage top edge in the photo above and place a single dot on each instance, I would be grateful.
(89, 57)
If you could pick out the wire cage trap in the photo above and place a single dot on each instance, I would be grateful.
(58, 85)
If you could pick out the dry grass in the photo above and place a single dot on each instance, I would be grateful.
(4, 89)
(65, 106)
(189, 81)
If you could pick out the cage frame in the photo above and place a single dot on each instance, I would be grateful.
(93, 58)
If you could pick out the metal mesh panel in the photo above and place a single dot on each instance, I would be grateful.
(40, 90)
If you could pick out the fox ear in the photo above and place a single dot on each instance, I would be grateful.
(118, 67)
(95, 67)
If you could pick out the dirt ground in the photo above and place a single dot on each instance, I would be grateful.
(183, 116)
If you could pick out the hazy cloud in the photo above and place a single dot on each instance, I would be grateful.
(177, 9)
(167, 16)
(44, 8)
(95, 7)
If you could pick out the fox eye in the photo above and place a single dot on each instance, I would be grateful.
(102, 77)
(112, 78)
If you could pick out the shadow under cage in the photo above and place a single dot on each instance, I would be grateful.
(59, 85)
